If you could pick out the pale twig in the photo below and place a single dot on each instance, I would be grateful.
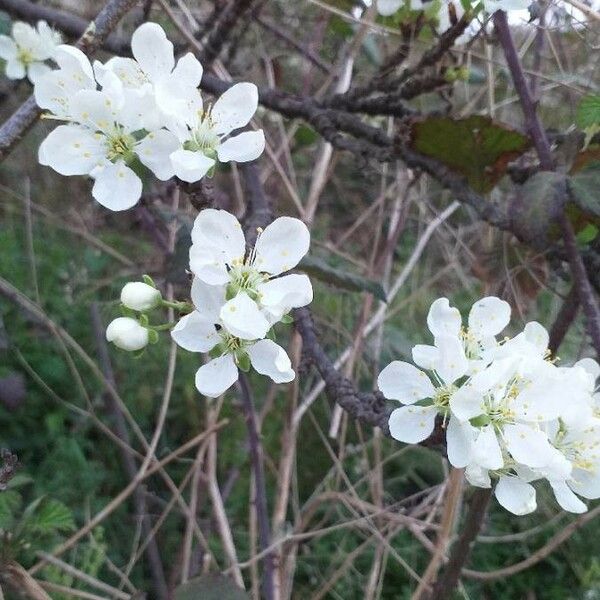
(84, 577)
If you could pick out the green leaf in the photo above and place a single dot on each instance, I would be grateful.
(210, 587)
(588, 112)
(51, 516)
(476, 147)
(10, 503)
(585, 188)
(287, 319)
(587, 234)
(340, 278)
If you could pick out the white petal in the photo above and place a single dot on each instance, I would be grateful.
(488, 317)
(425, 356)
(281, 245)
(126, 333)
(279, 295)
(459, 442)
(208, 299)
(220, 231)
(216, 376)
(154, 152)
(586, 483)
(126, 69)
(177, 91)
(15, 69)
(537, 335)
(270, 359)
(466, 403)
(76, 65)
(188, 71)
(37, 70)
(235, 108)
(195, 333)
(190, 166)
(8, 48)
(246, 146)
(24, 34)
(388, 7)
(478, 476)
(590, 366)
(242, 318)
(452, 363)
(152, 50)
(527, 445)
(404, 382)
(515, 495)
(443, 319)
(486, 449)
(117, 187)
(566, 498)
(412, 424)
(94, 109)
(208, 265)
(71, 150)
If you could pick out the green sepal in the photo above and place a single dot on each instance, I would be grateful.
(152, 336)
(143, 320)
(243, 361)
(480, 421)
(149, 281)
(216, 351)
(271, 335)
(138, 353)
(231, 292)
(128, 312)
(287, 319)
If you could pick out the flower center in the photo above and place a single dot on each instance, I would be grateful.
(120, 146)
(25, 56)
(442, 395)
(244, 278)
(203, 137)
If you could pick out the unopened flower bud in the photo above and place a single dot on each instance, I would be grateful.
(126, 333)
(140, 296)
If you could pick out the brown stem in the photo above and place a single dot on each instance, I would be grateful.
(460, 551)
(588, 298)
(262, 511)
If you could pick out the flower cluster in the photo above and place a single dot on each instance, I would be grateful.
(239, 295)
(27, 50)
(509, 412)
(142, 111)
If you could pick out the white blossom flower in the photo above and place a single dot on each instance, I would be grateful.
(487, 318)
(172, 86)
(27, 50)
(126, 333)
(407, 384)
(205, 134)
(140, 296)
(256, 295)
(202, 331)
(515, 495)
(102, 139)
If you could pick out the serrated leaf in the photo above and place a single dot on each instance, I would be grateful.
(588, 111)
(340, 278)
(476, 147)
(10, 503)
(51, 516)
(210, 587)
